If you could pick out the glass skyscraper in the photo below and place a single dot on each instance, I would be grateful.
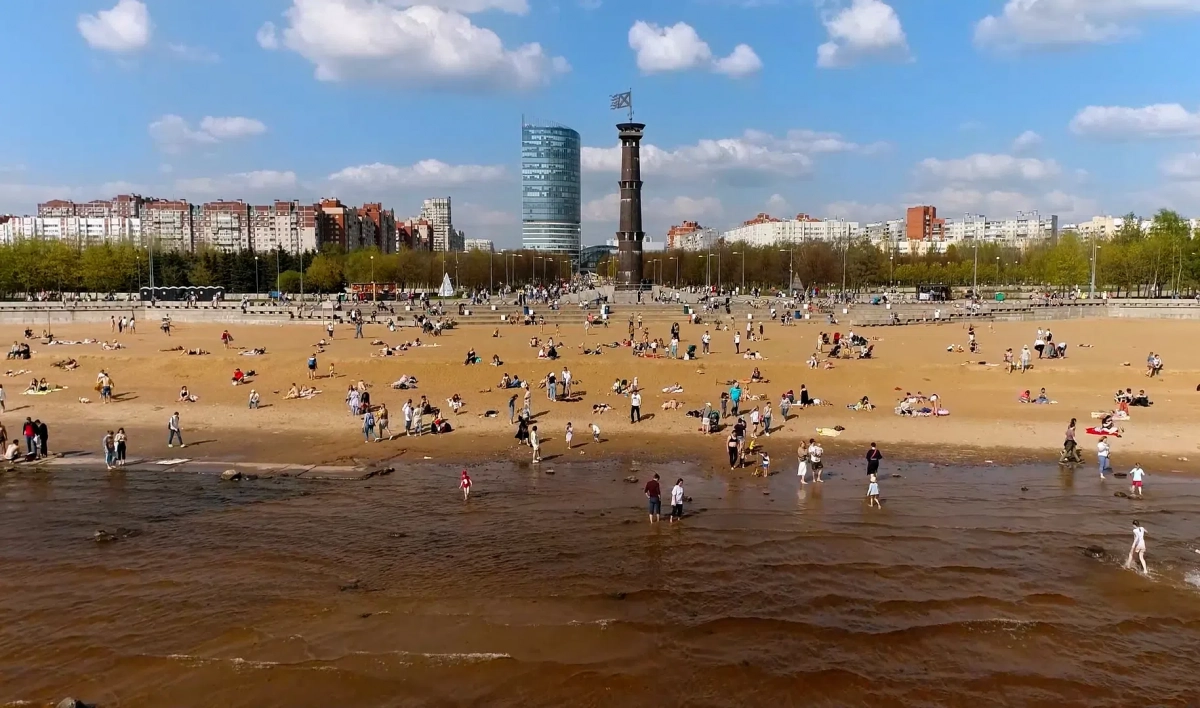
(550, 177)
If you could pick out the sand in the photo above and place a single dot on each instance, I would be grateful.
(986, 421)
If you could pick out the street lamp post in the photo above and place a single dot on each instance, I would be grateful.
(491, 253)
(1092, 285)
(742, 253)
(676, 259)
(257, 290)
(278, 272)
(997, 272)
(891, 270)
(791, 270)
(374, 290)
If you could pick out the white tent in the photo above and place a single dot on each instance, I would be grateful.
(447, 289)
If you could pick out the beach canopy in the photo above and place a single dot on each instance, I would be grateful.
(447, 289)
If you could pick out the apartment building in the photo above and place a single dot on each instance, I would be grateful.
(765, 230)
(416, 234)
(287, 226)
(921, 223)
(169, 224)
(691, 236)
(437, 211)
(1025, 228)
(224, 226)
(126, 206)
(478, 244)
(338, 224)
(382, 229)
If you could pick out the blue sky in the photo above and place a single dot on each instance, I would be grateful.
(848, 108)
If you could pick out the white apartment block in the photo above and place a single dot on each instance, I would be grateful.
(224, 226)
(702, 239)
(437, 212)
(478, 244)
(1011, 231)
(885, 232)
(764, 231)
(287, 226)
(82, 231)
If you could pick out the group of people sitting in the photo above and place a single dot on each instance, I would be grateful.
(1154, 365)
(39, 386)
(302, 392)
(240, 377)
(19, 350)
(1125, 399)
(1041, 399)
(919, 405)
(507, 381)
(405, 382)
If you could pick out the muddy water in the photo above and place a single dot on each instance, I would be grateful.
(551, 590)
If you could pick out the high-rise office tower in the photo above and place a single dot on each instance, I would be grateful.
(550, 177)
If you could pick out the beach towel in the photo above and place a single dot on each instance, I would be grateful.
(1117, 415)
(1115, 432)
(828, 432)
(43, 393)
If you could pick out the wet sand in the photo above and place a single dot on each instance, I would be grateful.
(986, 421)
(550, 590)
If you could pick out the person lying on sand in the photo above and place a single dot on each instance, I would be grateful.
(110, 347)
(601, 408)
(66, 364)
(173, 349)
(672, 405)
(195, 352)
(257, 351)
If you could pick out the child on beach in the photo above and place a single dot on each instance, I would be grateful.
(873, 494)
(465, 485)
(1102, 455)
(764, 463)
(312, 367)
(570, 434)
(536, 443)
(595, 433)
(677, 500)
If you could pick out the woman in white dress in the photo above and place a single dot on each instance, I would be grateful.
(1138, 548)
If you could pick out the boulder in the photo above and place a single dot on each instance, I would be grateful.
(631, 479)
(73, 703)
(1094, 551)
(231, 475)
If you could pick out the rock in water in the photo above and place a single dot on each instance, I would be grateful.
(1123, 495)
(354, 584)
(72, 703)
(103, 536)
(631, 479)
(1094, 551)
(231, 475)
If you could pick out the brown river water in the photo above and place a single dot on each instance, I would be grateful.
(553, 590)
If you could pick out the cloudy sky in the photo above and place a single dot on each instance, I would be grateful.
(847, 108)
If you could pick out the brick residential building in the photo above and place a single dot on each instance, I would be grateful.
(383, 223)
(338, 224)
(921, 223)
(169, 224)
(224, 226)
(288, 226)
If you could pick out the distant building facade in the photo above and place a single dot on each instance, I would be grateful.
(551, 207)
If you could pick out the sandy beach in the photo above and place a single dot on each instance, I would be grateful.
(986, 422)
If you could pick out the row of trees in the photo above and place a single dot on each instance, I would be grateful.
(1165, 260)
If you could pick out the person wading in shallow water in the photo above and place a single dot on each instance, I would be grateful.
(1138, 548)
(654, 499)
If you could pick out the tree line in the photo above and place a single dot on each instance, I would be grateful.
(1163, 261)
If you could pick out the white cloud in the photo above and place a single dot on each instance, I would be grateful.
(426, 173)
(1184, 167)
(1004, 204)
(267, 36)
(1049, 23)
(467, 7)
(989, 168)
(350, 40)
(678, 48)
(754, 152)
(657, 209)
(124, 28)
(1027, 142)
(197, 54)
(174, 134)
(235, 186)
(778, 204)
(864, 29)
(862, 213)
(1163, 120)
(232, 127)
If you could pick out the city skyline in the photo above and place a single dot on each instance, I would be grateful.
(857, 109)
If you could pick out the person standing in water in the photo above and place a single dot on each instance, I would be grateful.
(536, 443)
(677, 501)
(465, 485)
(873, 493)
(654, 498)
(570, 434)
(873, 458)
(1135, 480)
(802, 470)
(1138, 548)
(1102, 455)
(814, 456)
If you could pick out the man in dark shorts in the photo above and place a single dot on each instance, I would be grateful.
(654, 494)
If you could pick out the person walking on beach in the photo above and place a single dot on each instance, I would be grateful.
(1102, 455)
(1025, 358)
(551, 387)
(733, 446)
(873, 458)
(570, 434)
(121, 440)
(1135, 480)
(254, 399)
(595, 433)
(173, 432)
(312, 367)
(407, 412)
(3, 396)
(110, 450)
(1138, 548)
(368, 425)
(737, 342)
(735, 397)
(766, 420)
(705, 341)
(873, 493)
(677, 501)
(329, 329)
(814, 460)
(527, 402)
(464, 483)
(565, 379)
(635, 407)
(654, 496)
(382, 423)
(512, 409)
(30, 432)
(535, 442)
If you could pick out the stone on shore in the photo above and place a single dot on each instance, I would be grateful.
(231, 475)
(73, 703)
